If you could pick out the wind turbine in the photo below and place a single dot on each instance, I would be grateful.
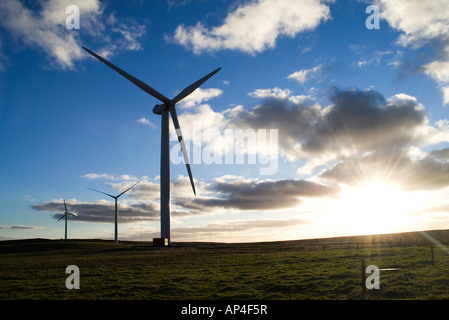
(66, 213)
(164, 109)
(116, 209)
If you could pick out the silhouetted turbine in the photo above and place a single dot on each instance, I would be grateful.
(116, 209)
(66, 213)
(164, 109)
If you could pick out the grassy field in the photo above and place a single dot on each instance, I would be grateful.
(308, 269)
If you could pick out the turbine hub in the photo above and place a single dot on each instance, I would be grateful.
(159, 108)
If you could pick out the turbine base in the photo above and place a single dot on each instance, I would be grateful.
(160, 242)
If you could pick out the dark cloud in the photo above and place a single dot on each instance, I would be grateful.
(356, 121)
(257, 195)
(366, 120)
(103, 211)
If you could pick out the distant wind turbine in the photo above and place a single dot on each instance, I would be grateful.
(164, 109)
(116, 209)
(66, 213)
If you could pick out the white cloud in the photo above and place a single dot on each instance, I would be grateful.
(367, 57)
(46, 31)
(421, 22)
(201, 121)
(200, 95)
(146, 122)
(255, 26)
(271, 93)
(93, 176)
(305, 75)
(108, 176)
(275, 93)
(439, 70)
(445, 90)
(130, 34)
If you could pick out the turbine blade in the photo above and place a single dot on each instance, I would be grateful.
(134, 80)
(184, 93)
(128, 189)
(183, 146)
(102, 192)
(72, 215)
(61, 217)
(65, 206)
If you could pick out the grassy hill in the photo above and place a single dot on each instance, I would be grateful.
(303, 269)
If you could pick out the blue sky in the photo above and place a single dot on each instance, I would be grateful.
(360, 117)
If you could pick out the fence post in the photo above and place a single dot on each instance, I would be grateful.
(363, 277)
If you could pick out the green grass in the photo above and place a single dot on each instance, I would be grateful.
(36, 270)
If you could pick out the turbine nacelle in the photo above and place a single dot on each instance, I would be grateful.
(159, 108)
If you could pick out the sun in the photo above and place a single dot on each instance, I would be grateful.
(374, 207)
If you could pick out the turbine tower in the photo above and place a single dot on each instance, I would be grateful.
(66, 213)
(116, 209)
(164, 109)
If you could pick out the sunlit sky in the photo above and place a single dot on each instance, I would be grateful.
(347, 125)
